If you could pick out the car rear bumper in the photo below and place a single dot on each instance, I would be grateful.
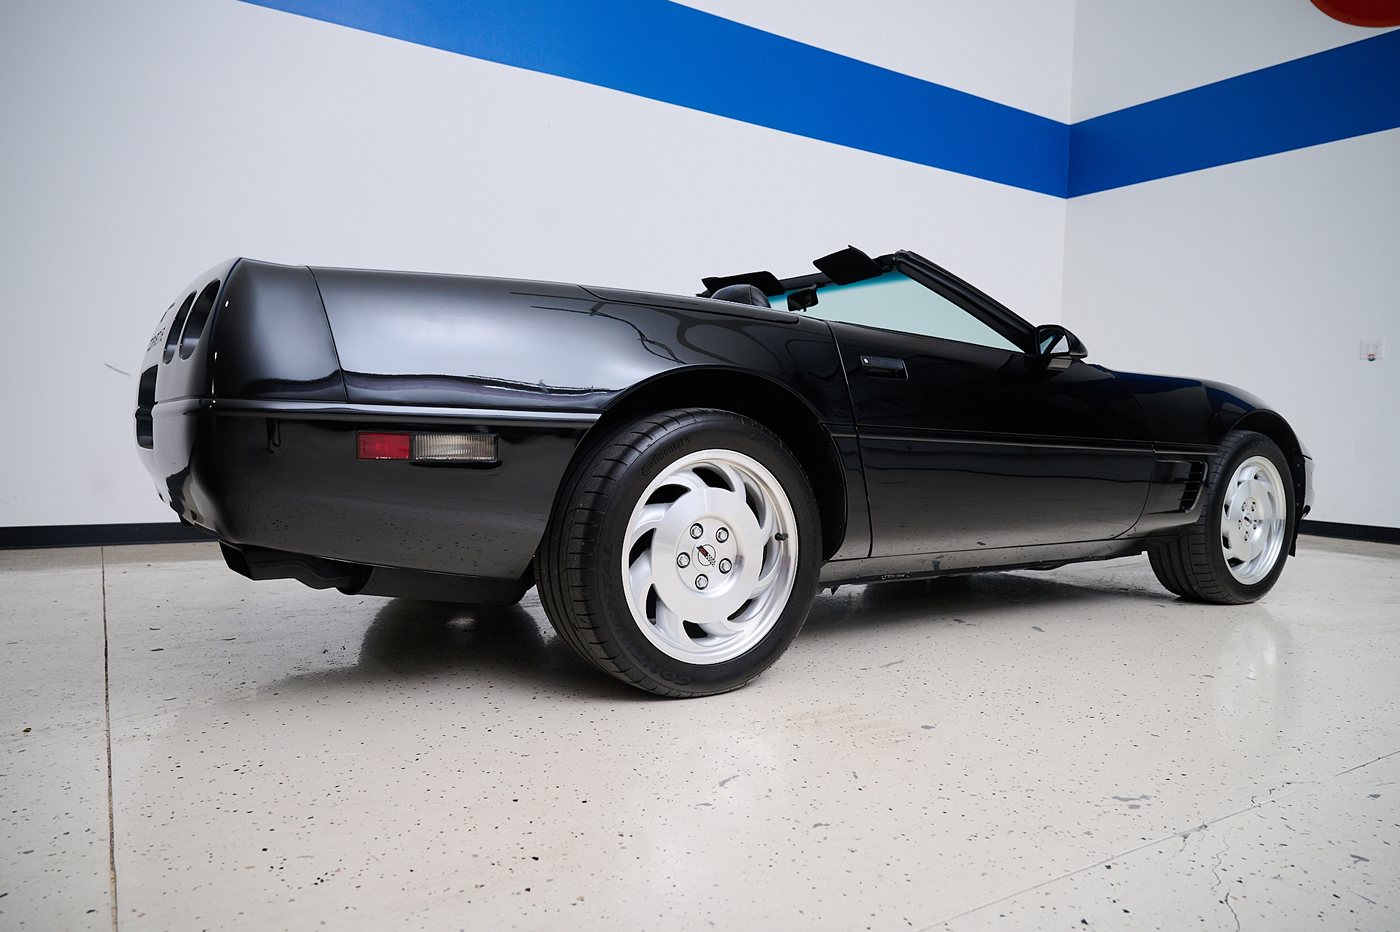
(285, 476)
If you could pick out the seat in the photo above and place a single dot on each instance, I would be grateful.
(742, 294)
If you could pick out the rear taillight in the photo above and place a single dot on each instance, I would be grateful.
(172, 336)
(199, 316)
(189, 321)
(145, 401)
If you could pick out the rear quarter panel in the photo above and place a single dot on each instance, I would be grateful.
(304, 359)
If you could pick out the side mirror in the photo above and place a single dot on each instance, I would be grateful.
(1058, 347)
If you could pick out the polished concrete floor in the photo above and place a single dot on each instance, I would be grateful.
(186, 749)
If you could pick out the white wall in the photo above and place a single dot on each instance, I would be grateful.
(1265, 274)
(142, 141)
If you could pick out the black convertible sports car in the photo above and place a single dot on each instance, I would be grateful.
(679, 475)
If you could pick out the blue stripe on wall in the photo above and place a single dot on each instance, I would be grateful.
(671, 53)
(1348, 91)
(668, 52)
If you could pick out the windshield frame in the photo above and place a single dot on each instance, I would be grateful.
(972, 300)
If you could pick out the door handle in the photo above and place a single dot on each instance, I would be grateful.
(883, 367)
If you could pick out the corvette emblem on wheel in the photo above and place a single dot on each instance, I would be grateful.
(705, 554)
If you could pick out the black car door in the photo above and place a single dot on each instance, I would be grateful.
(968, 441)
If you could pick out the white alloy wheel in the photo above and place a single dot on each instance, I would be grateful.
(1254, 520)
(710, 556)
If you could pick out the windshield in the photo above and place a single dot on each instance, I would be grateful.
(896, 302)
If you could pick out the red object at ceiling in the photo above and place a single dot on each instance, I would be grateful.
(1362, 12)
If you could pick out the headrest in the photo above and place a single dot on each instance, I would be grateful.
(742, 294)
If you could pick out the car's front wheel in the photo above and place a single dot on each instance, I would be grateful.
(683, 553)
(1235, 551)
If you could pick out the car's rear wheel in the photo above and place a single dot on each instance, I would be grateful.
(683, 552)
(1235, 551)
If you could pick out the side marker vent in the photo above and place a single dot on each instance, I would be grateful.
(1192, 486)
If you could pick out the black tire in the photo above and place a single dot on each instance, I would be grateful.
(761, 544)
(1236, 550)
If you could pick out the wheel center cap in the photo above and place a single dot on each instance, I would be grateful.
(708, 577)
(1249, 518)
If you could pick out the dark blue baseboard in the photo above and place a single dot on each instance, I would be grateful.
(1381, 535)
(98, 535)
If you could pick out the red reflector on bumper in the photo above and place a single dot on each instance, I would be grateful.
(384, 446)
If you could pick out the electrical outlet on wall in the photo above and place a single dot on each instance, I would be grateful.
(1373, 350)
